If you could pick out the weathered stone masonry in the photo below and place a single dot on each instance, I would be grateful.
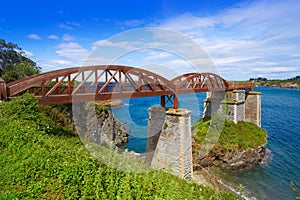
(170, 141)
(237, 105)
(169, 144)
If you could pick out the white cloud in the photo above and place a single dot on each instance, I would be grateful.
(187, 22)
(65, 26)
(25, 52)
(68, 37)
(154, 55)
(73, 51)
(34, 36)
(28, 53)
(262, 33)
(53, 37)
(133, 23)
(275, 69)
(69, 25)
(72, 23)
(122, 45)
(61, 62)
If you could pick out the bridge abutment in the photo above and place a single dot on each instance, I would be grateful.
(169, 145)
(237, 105)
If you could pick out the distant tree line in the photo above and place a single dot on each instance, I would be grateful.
(296, 78)
(258, 79)
(14, 64)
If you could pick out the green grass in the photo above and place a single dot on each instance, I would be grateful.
(40, 159)
(243, 135)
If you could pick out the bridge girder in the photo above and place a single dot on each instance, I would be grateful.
(105, 82)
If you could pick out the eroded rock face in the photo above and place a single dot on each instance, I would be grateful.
(101, 128)
(111, 130)
(232, 161)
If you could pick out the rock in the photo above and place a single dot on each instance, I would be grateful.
(101, 128)
(207, 161)
(111, 130)
(232, 161)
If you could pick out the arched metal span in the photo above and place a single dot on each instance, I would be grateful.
(103, 82)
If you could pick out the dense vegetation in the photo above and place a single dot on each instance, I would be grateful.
(264, 81)
(41, 159)
(14, 64)
(243, 135)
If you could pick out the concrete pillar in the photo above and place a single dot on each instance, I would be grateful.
(212, 103)
(173, 149)
(237, 105)
(253, 108)
(156, 120)
(234, 105)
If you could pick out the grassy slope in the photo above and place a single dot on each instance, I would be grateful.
(41, 160)
(243, 135)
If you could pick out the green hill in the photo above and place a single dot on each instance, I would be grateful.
(41, 159)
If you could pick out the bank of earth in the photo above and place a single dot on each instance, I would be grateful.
(41, 158)
(238, 148)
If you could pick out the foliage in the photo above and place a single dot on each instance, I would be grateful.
(264, 81)
(100, 109)
(258, 79)
(18, 71)
(243, 135)
(13, 63)
(38, 165)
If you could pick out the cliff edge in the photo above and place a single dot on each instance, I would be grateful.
(239, 147)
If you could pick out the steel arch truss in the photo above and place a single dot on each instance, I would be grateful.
(91, 84)
(105, 82)
(199, 82)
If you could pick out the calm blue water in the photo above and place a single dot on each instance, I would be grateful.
(280, 118)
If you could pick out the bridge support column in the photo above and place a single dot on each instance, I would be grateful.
(3, 92)
(212, 103)
(169, 145)
(253, 107)
(172, 99)
(237, 105)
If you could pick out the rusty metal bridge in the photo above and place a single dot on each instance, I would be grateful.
(105, 82)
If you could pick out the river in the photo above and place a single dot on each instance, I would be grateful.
(281, 120)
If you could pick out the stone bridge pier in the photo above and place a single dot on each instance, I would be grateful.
(237, 105)
(169, 145)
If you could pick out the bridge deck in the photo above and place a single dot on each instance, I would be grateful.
(103, 82)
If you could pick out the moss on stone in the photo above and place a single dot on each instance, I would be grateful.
(241, 136)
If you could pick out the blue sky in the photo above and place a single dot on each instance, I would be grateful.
(242, 38)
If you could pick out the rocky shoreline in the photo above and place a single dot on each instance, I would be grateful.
(284, 85)
(231, 161)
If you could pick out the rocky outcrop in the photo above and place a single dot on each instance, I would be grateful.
(231, 161)
(98, 127)
(111, 130)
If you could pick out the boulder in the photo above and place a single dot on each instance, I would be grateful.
(234, 160)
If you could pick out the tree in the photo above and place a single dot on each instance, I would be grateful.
(18, 71)
(13, 60)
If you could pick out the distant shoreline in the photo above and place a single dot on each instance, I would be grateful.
(278, 86)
